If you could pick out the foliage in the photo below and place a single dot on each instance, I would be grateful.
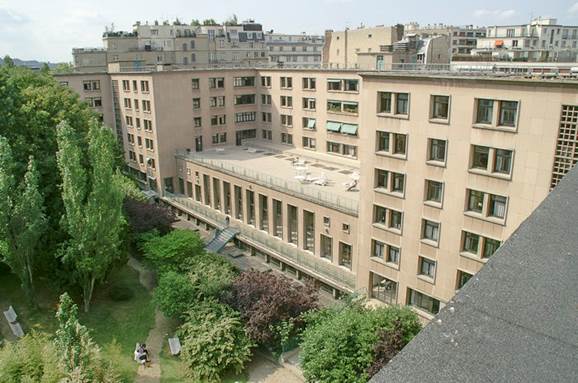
(231, 20)
(214, 341)
(130, 189)
(349, 334)
(172, 252)
(22, 219)
(195, 23)
(390, 342)
(210, 275)
(63, 68)
(32, 359)
(174, 294)
(210, 22)
(265, 300)
(143, 216)
(93, 206)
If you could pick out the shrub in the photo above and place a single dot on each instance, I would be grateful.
(173, 251)
(120, 293)
(349, 335)
(174, 294)
(210, 275)
(144, 216)
(214, 341)
(265, 300)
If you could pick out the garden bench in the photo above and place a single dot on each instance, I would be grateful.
(10, 315)
(16, 329)
(175, 346)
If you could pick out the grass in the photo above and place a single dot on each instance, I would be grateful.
(115, 325)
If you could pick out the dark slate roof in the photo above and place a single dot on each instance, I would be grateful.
(517, 319)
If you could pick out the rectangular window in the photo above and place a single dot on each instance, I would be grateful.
(287, 101)
(393, 254)
(287, 138)
(471, 242)
(309, 83)
(195, 84)
(309, 143)
(440, 107)
(497, 206)
(326, 245)
(379, 215)
(378, 249)
(427, 267)
(286, 82)
(266, 99)
(197, 122)
(334, 85)
(382, 141)
(277, 218)
(433, 191)
(266, 81)
(503, 161)
(243, 81)
(245, 117)
(345, 258)
(399, 144)
(309, 123)
(423, 302)
(287, 120)
(383, 289)
(395, 219)
(485, 111)
(308, 230)
(431, 230)
(385, 99)
(402, 103)
(292, 224)
(381, 178)
(196, 103)
(490, 247)
(250, 198)
(475, 201)
(480, 158)
(308, 103)
(245, 99)
(217, 83)
(144, 86)
(508, 113)
(351, 85)
(437, 150)
(463, 278)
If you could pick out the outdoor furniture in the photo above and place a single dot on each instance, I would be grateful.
(321, 181)
(12, 318)
(10, 315)
(175, 345)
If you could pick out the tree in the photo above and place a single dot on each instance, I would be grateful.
(8, 61)
(214, 341)
(172, 252)
(210, 275)
(195, 23)
(79, 355)
(348, 334)
(390, 342)
(231, 20)
(265, 300)
(210, 22)
(174, 294)
(63, 68)
(93, 205)
(143, 216)
(22, 219)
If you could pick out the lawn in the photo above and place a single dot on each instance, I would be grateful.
(116, 325)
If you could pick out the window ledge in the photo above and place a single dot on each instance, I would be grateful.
(383, 227)
(309, 90)
(389, 193)
(501, 128)
(505, 177)
(480, 216)
(390, 155)
(473, 257)
(430, 242)
(392, 115)
(437, 205)
(438, 164)
(343, 113)
(342, 91)
(426, 278)
(441, 121)
(424, 314)
(392, 265)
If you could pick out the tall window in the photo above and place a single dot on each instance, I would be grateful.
(485, 111)
(437, 150)
(503, 161)
(385, 99)
(480, 158)
(430, 230)
(383, 289)
(497, 206)
(427, 267)
(326, 244)
(508, 113)
(402, 103)
(440, 107)
(475, 201)
(345, 253)
(433, 191)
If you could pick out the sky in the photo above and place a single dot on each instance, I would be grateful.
(47, 30)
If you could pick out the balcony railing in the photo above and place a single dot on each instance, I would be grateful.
(307, 261)
(346, 205)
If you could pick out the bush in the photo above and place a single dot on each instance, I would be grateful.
(173, 251)
(211, 275)
(120, 293)
(214, 341)
(266, 300)
(144, 216)
(349, 335)
(174, 294)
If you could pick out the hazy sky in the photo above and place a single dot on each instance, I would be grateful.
(49, 29)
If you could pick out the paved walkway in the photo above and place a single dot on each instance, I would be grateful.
(154, 341)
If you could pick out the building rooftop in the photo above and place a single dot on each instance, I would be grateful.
(273, 165)
(517, 319)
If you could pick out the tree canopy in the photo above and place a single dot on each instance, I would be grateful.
(173, 251)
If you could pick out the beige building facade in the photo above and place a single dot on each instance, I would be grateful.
(394, 185)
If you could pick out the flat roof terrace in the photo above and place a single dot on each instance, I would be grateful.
(311, 176)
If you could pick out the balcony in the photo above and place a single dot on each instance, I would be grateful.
(290, 254)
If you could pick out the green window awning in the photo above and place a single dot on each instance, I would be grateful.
(333, 126)
(349, 129)
(311, 123)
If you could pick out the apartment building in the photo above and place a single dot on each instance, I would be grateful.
(303, 51)
(462, 38)
(177, 45)
(543, 39)
(448, 166)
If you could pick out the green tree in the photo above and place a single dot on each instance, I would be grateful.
(173, 251)
(79, 355)
(22, 219)
(195, 23)
(210, 275)
(93, 204)
(8, 61)
(210, 22)
(63, 68)
(174, 294)
(349, 335)
(231, 20)
(214, 341)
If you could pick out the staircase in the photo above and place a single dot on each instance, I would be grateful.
(220, 239)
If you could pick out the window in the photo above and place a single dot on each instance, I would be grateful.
(381, 178)
(287, 138)
(503, 161)
(395, 185)
(287, 101)
(384, 143)
(345, 255)
(144, 86)
(127, 103)
(485, 111)
(433, 191)
(245, 117)
(398, 184)
(480, 157)
(309, 143)
(508, 113)
(219, 138)
(245, 99)
(393, 254)
(149, 144)
(217, 101)
(471, 242)
(326, 245)
(427, 267)
(379, 215)
(490, 247)
(196, 103)
(267, 134)
(309, 123)
(308, 103)
(266, 81)
(475, 201)
(395, 219)
(266, 99)
(388, 253)
(217, 83)
(286, 82)
(148, 125)
(383, 289)
(431, 230)
(462, 279)
(437, 150)
(384, 105)
(399, 144)
(497, 206)
(334, 85)
(351, 85)
(266, 117)
(378, 249)
(125, 85)
(402, 103)
(220, 119)
(440, 107)
(342, 107)
(195, 83)
(243, 81)
(93, 85)
(287, 120)
(309, 83)
(128, 120)
(423, 302)
(146, 106)
(197, 122)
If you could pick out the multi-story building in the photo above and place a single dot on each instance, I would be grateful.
(177, 45)
(303, 51)
(452, 164)
(462, 38)
(543, 39)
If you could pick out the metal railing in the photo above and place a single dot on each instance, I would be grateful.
(308, 261)
(344, 204)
